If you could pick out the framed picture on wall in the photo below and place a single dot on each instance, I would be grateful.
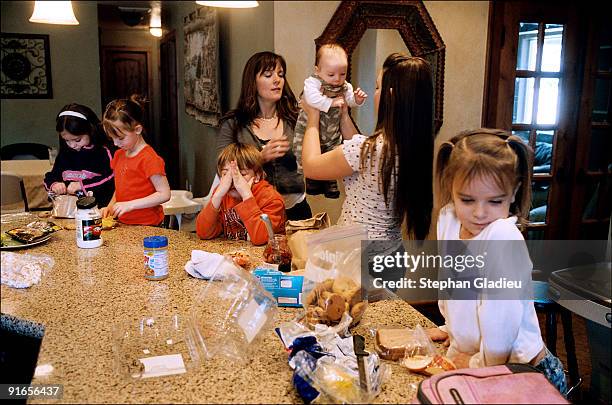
(25, 66)
(202, 65)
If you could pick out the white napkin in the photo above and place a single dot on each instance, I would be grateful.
(205, 264)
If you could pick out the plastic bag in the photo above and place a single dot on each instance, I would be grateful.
(419, 350)
(332, 278)
(24, 270)
(64, 205)
(336, 376)
(232, 314)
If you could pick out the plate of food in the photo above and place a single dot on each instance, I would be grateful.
(8, 243)
(32, 234)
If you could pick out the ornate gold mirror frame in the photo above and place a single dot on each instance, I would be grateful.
(410, 18)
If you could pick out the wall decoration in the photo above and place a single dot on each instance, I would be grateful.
(202, 65)
(25, 66)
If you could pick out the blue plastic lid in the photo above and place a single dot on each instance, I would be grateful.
(155, 242)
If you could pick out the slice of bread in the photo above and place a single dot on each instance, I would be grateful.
(391, 343)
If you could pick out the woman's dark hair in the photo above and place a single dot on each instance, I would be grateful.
(405, 123)
(130, 111)
(248, 108)
(78, 126)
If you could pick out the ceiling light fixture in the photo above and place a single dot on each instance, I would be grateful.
(53, 12)
(155, 25)
(229, 4)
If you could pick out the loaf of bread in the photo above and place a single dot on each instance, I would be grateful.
(391, 343)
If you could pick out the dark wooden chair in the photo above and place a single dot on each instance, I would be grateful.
(25, 151)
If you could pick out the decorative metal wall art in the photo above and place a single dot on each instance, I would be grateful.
(202, 65)
(25, 66)
(409, 17)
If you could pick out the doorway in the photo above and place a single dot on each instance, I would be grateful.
(169, 147)
(126, 71)
(548, 81)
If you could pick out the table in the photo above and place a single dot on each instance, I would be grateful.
(33, 173)
(88, 290)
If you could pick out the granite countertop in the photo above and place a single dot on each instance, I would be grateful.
(89, 290)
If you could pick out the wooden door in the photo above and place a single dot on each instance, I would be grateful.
(126, 71)
(593, 172)
(535, 81)
(169, 148)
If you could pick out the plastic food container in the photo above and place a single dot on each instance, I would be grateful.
(155, 346)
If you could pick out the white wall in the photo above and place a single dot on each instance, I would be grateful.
(462, 25)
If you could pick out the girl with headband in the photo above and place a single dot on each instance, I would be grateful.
(83, 146)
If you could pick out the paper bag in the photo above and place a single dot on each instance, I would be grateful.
(297, 231)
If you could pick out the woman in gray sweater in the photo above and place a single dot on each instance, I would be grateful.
(265, 117)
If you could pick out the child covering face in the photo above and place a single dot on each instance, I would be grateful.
(240, 198)
(328, 91)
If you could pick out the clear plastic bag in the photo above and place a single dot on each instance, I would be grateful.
(332, 278)
(337, 377)
(231, 315)
(64, 205)
(24, 270)
(419, 350)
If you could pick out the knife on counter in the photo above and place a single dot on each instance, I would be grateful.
(360, 353)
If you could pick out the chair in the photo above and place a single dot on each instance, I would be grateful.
(25, 151)
(544, 304)
(180, 203)
(13, 193)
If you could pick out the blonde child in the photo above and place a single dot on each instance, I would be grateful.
(83, 146)
(240, 198)
(141, 185)
(484, 187)
(328, 91)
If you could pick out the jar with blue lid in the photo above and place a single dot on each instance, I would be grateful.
(156, 257)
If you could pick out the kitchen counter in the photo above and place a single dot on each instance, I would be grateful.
(88, 290)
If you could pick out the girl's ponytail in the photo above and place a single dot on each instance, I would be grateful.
(524, 155)
(443, 183)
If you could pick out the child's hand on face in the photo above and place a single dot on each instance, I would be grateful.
(224, 186)
(73, 187)
(240, 184)
(58, 188)
(360, 96)
(338, 102)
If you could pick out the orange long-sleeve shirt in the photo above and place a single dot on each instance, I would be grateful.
(265, 200)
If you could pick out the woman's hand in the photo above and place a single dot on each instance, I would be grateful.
(275, 148)
(240, 184)
(73, 187)
(224, 185)
(58, 188)
(314, 113)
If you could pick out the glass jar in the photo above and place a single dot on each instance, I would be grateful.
(277, 252)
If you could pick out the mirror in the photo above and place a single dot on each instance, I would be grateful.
(375, 45)
(412, 23)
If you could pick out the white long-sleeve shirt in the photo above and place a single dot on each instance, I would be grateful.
(315, 97)
(492, 331)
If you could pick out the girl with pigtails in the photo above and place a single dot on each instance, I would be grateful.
(483, 180)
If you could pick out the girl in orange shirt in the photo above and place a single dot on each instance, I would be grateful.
(141, 185)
